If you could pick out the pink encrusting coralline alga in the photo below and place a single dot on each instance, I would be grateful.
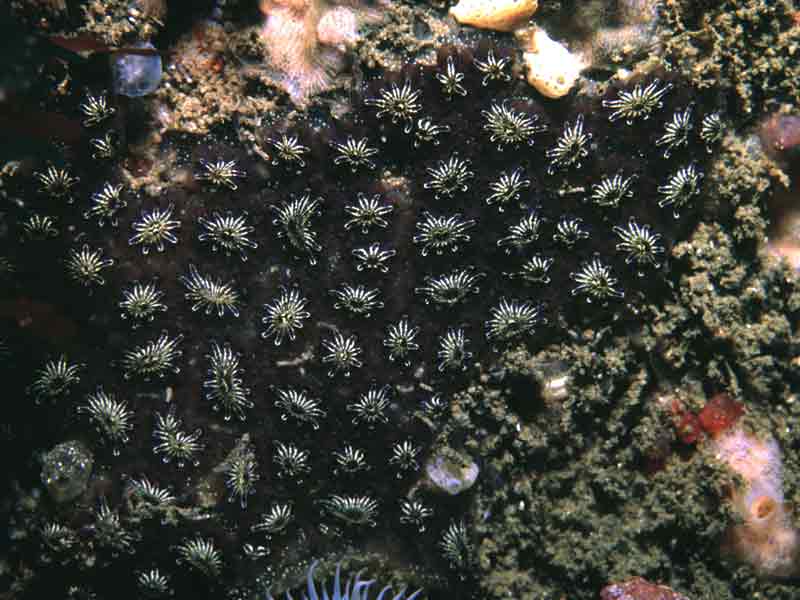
(306, 41)
(765, 538)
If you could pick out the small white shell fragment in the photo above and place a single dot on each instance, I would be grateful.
(498, 15)
(552, 68)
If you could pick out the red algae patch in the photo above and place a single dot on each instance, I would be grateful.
(639, 589)
(719, 414)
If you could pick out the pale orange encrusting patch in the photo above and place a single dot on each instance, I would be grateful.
(765, 539)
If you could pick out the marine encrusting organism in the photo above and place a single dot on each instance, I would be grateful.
(457, 547)
(399, 104)
(569, 232)
(228, 233)
(404, 457)
(109, 531)
(96, 109)
(174, 443)
(241, 473)
(676, 132)
(55, 379)
(638, 103)
(370, 408)
(155, 229)
(442, 233)
(610, 191)
(57, 540)
(595, 282)
(357, 300)
(145, 495)
(224, 387)
(453, 352)
(288, 150)
(451, 80)
(368, 212)
(104, 147)
(509, 127)
(342, 353)
(507, 189)
(350, 460)
(154, 583)
(279, 517)
(85, 266)
(210, 294)
(285, 316)
(352, 510)
(39, 227)
(449, 177)
(511, 319)
(680, 188)
(572, 147)
(326, 245)
(111, 417)
(221, 173)
(373, 258)
(201, 555)
(57, 183)
(415, 513)
(297, 406)
(399, 341)
(294, 218)
(640, 244)
(106, 204)
(428, 132)
(522, 234)
(355, 154)
(156, 358)
(493, 68)
(451, 288)
(292, 461)
(535, 270)
(141, 303)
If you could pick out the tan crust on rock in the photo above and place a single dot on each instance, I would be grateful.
(498, 15)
